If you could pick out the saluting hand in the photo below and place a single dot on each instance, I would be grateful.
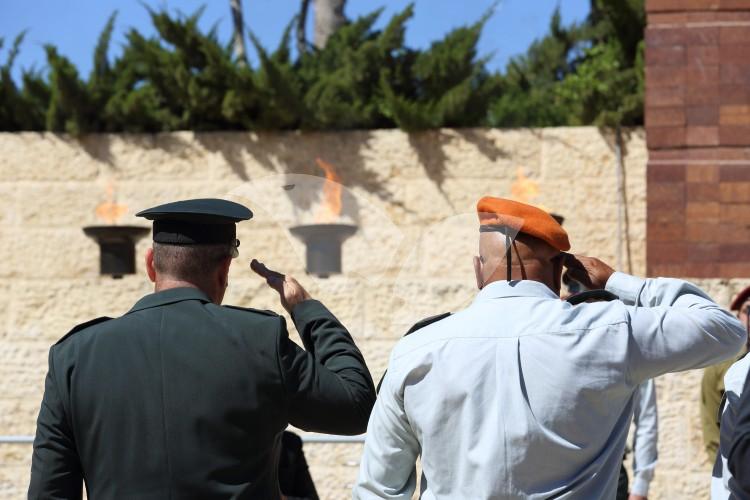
(290, 291)
(588, 271)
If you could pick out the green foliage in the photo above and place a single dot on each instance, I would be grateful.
(528, 88)
(25, 108)
(607, 88)
(579, 75)
(183, 78)
(445, 85)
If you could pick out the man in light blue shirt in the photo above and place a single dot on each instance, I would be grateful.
(522, 395)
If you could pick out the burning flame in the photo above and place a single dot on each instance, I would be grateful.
(525, 190)
(331, 207)
(110, 211)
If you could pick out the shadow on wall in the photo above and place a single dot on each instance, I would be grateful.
(295, 153)
(429, 145)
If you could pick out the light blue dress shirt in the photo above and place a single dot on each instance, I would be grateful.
(522, 395)
(645, 439)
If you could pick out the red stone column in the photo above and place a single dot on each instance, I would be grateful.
(698, 137)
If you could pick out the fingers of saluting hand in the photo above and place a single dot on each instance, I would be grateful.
(571, 261)
(575, 268)
(273, 278)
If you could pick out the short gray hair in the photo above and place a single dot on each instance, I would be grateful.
(190, 262)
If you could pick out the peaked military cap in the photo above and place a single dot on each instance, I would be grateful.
(196, 222)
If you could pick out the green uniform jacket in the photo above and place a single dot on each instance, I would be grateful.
(184, 399)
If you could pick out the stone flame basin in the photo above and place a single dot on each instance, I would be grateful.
(323, 242)
(116, 247)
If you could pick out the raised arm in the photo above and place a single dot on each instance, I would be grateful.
(328, 384)
(674, 326)
(55, 467)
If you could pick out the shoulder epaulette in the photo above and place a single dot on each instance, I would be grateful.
(265, 312)
(416, 326)
(83, 326)
(425, 322)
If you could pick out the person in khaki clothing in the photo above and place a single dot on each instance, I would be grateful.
(712, 384)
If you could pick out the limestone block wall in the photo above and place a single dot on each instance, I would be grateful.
(412, 196)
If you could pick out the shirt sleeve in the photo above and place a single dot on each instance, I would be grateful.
(328, 384)
(645, 441)
(55, 466)
(388, 465)
(674, 326)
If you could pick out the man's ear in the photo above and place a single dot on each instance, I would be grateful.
(557, 270)
(150, 270)
(478, 271)
(224, 272)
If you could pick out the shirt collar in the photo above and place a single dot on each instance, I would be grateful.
(169, 296)
(519, 288)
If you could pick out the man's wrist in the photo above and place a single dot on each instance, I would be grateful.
(625, 286)
(302, 307)
(640, 486)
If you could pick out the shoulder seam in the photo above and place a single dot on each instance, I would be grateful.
(265, 312)
(83, 326)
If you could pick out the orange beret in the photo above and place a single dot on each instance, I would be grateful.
(523, 218)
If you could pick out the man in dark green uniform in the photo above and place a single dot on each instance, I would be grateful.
(184, 398)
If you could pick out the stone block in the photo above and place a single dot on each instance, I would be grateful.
(657, 97)
(659, 36)
(665, 137)
(701, 116)
(45, 157)
(734, 135)
(734, 94)
(660, 76)
(702, 173)
(701, 55)
(702, 136)
(730, 35)
(702, 95)
(665, 117)
(669, 172)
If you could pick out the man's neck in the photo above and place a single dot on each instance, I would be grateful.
(519, 273)
(169, 283)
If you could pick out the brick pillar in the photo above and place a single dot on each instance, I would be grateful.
(698, 136)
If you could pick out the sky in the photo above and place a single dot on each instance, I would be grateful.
(74, 25)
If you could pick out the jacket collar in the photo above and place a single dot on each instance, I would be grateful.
(169, 297)
(519, 288)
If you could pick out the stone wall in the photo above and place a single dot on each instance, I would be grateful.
(413, 197)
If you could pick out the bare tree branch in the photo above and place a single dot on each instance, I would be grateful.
(238, 36)
(301, 22)
(329, 16)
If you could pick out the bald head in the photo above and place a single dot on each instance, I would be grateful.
(531, 259)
